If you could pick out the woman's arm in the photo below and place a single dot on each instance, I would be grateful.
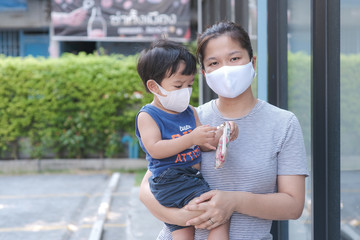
(287, 203)
(178, 216)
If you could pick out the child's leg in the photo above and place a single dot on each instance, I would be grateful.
(221, 232)
(183, 234)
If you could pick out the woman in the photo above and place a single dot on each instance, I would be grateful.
(263, 178)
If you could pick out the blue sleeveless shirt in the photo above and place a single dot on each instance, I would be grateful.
(171, 126)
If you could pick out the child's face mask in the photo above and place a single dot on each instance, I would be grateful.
(231, 81)
(177, 100)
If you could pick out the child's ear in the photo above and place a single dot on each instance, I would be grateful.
(152, 86)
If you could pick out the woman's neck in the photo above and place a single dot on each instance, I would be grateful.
(237, 107)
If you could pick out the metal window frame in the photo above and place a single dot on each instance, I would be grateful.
(325, 121)
(10, 42)
(277, 85)
(277, 53)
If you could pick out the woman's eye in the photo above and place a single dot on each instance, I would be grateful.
(234, 59)
(178, 86)
(212, 64)
(190, 86)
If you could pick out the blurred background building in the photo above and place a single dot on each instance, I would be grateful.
(27, 28)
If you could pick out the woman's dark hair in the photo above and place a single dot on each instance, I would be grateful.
(231, 29)
(162, 59)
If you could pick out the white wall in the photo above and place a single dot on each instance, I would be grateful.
(36, 16)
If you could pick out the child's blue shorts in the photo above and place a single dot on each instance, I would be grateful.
(177, 186)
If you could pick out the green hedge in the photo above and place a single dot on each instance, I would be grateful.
(72, 106)
(82, 105)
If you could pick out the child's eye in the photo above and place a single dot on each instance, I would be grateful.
(234, 59)
(213, 64)
(190, 85)
(178, 86)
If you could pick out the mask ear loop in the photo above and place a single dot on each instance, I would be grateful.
(252, 63)
(161, 89)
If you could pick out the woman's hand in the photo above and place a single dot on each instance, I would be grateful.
(234, 130)
(217, 205)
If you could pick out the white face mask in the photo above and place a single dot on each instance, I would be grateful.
(231, 81)
(177, 100)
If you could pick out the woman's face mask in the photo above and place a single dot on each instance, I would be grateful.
(231, 81)
(177, 100)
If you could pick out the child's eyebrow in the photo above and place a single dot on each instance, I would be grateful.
(179, 82)
(183, 81)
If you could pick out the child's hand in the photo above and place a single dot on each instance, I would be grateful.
(203, 135)
(234, 130)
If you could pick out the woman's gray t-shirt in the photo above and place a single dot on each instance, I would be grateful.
(270, 143)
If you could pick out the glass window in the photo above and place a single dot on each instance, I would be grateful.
(350, 118)
(299, 96)
(9, 43)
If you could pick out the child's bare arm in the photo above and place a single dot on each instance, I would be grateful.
(218, 132)
(214, 141)
(158, 148)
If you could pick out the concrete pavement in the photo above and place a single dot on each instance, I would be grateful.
(62, 206)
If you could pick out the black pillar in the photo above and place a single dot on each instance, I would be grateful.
(326, 119)
(278, 76)
(277, 53)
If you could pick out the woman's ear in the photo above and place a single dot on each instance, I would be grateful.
(254, 62)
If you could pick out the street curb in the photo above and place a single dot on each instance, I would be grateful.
(39, 165)
(97, 229)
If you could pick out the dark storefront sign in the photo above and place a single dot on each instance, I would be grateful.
(120, 20)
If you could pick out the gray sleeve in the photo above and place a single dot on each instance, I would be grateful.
(292, 156)
(165, 234)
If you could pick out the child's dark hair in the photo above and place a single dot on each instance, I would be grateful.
(231, 29)
(162, 59)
